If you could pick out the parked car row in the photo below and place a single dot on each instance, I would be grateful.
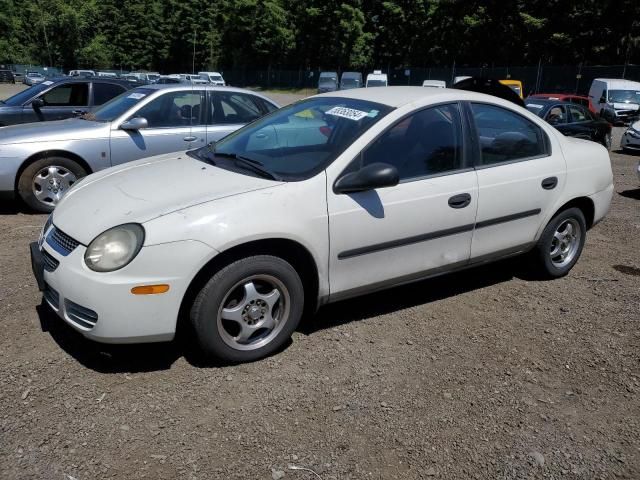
(328, 81)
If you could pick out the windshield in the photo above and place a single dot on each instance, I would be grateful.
(119, 105)
(350, 82)
(300, 140)
(624, 96)
(217, 78)
(26, 95)
(153, 76)
(376, 83)
(535, 108)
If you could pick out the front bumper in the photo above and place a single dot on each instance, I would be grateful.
(629, 141)
(101, 305)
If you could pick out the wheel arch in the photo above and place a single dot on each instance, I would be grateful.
(585, 204)
(293, 252)
(50, 153)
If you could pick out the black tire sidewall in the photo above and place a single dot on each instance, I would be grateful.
(26, 179)
(544, 243)
(205, 308)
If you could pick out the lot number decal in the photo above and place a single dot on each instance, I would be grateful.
(349, 113)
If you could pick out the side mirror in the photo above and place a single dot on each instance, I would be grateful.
(603, 99)
(134, 124)
(37, 103)
(370, 177)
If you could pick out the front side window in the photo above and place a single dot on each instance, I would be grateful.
(557, 115)
(505, 136)
(299, 140)
(428, 142)
(69, 95)
(173, 109)
(578, 114)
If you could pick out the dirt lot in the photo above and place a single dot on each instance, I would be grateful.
(482, 374)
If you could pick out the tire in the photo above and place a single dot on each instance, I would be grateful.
(543, 262)
(225, 312)
(52, 176)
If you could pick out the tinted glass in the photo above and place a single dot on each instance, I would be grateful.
(25, 95)
(557, 115)
(578, 114)
(300, 140)
(505, 136)
(69, 95)
(426, 143)
(173, 109)
(232, 107)
(103, 92)
(377, 83)
(119, 105)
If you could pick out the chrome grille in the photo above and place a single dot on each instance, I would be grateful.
(61, 242)
(50, 263)
(51, 296)
(81, 316)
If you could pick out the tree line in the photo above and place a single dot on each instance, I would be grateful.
(310, 34)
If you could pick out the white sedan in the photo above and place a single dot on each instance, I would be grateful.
(334, 196)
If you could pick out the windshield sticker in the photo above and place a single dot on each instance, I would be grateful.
(48, 82)
(349, 113)
(305, 114)
(137, 96)
(373, 113)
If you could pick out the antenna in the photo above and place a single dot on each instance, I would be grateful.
(193, 63)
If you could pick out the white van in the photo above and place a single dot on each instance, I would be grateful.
(213, 78)
(82, 73)
(615, 99)
(376, 79)
(434, 83)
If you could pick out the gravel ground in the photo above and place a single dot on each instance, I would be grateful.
(481, 374)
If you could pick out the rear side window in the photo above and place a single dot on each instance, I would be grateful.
(505, 136)
(103, 92)
(578, 114)
(69, 95)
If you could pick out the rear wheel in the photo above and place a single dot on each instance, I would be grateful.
(43, 183)
(248, 309)
(560, 244)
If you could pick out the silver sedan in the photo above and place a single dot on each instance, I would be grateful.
(40, 161)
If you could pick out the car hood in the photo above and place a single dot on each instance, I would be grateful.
(69, 129)
(626, 106)
(140, 191)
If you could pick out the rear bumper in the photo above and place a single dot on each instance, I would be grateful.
(601, 203)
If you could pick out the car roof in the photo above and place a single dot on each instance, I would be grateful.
(558, 95)
(548, 101)
(179, 87)
(614, 83)
(400, 96)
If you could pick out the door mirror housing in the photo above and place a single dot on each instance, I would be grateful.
(369, 177)
(134, 124)
(603, 99)
(37, 103)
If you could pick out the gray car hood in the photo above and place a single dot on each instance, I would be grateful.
(140, 191)
(69, 129)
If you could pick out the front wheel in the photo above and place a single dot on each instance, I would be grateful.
(43, 183)
(560, 244)
(248, 309)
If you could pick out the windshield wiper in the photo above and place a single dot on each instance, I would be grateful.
(250, 163)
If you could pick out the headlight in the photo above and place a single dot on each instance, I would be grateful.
(114, 248)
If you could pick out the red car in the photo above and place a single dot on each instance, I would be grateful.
(567, 97)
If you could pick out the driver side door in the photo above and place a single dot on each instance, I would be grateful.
(175, 120)
(419, 227)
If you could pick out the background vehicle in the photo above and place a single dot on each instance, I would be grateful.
(616, 100)
(327, 82)
(170, 80)
(350, 80)
(461, 78)
(59, 98)
(33, 78)
(572, 120)
(630, 141)
(107, 74)
(195, 79)
(515, 85)
(377, 79)
(82, 73)
(214, 78)
(6, 76)
(40, 161)
(251, 234)
(566, 97)
(434, 83)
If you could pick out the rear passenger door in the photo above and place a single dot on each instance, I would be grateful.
(228, 111)
(580, 123)
(103, 92)
(520, 177)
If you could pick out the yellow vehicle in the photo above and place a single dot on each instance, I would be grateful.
(515, 85)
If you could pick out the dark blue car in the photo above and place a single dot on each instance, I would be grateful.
(59, 98)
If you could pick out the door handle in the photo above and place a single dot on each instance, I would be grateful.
(190, 138)
(460, 201)
(78, 112)
(550, 183)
